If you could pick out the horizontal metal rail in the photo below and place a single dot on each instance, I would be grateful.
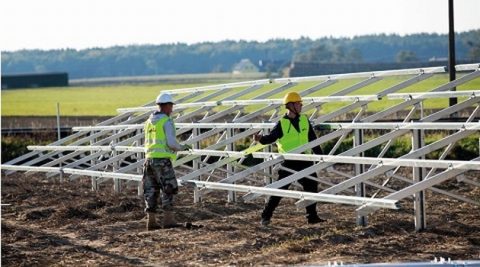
(184, 125)
(357, 75)
(424, 163)
(466, 67)
(358, 201)
(217, 87)
(124, 176)
(429, 95)
(276, 101)
(319, 126)
(397, 126)
(88, 148)
(108, 127)
(312, 78)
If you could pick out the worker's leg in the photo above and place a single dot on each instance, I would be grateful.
(151, 187)
(312, 187)
(151, 190)
(169, 186)
(273, 201)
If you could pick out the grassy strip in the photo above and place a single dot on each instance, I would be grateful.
(104, 100)
(15, 146)
(78, 101)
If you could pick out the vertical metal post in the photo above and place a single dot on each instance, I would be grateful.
(360, 189)
(139, 157)
(270, 168)
(267, 179)
(59, 136)
(93, 162)
(451, 49)
(196, 165)
(232, 197)
(58, 122)
(117, 183)
(419, 175)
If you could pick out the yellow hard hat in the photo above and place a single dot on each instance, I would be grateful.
(292, 97)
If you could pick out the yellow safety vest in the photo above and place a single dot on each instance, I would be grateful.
(156, 140)
(292, 139)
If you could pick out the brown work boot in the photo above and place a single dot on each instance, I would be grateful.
(151, 222)
(169, 219)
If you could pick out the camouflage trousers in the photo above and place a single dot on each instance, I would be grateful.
(158, 175)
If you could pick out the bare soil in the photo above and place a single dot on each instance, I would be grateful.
(48, 223)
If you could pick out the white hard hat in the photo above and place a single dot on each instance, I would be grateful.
(164, 98)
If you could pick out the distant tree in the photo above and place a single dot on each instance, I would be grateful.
(338, 54)
(330, 53)
(472, 41)
(474, 50)
(406, 56)
(474, 53)
(318, 53)
(355, 55)
(221, 56)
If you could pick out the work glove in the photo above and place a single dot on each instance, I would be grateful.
(187, 147)
(257, 137)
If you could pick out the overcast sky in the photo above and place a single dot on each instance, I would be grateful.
(50, 24)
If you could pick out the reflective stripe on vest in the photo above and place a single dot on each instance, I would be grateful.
(156, 140)
(292, 139)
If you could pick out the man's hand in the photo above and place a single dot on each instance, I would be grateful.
(187, 147)
(256, 137)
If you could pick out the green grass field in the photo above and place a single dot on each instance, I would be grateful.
(104, 100)
(78, 101)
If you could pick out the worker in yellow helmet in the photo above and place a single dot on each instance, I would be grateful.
(158, 173)
(292, 131)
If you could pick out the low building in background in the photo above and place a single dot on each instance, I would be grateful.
(35, 80)
(244, 66)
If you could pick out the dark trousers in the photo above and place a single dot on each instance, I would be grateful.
(307, 184)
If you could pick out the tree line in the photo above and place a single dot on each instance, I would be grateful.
(207, 57)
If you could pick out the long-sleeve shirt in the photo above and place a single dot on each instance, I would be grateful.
(277, 133)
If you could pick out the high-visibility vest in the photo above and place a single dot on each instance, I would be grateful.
(156, 140)
(291, 138)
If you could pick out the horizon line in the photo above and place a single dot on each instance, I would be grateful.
(230, 40)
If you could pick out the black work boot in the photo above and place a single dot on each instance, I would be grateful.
(266, 216)
(265, 221)
(314, 219)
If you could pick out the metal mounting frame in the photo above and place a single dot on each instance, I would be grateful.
(213, 119)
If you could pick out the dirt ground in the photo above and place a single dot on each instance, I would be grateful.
(48, 223)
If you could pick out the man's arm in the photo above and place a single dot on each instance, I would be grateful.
(171, 138)
(270, 138)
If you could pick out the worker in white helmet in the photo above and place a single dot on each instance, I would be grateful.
(159, 175)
